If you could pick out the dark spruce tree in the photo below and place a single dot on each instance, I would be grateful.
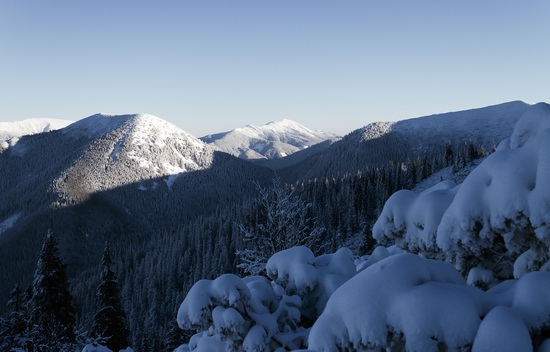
(110, 320)
(52, 314)
(175, 337)
(13, 332)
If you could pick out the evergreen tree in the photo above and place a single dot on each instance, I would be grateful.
(110, 320)
(13, 331)
(52, 314)
(449, 154)
(175, 337)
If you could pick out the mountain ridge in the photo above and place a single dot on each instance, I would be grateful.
(379, 142)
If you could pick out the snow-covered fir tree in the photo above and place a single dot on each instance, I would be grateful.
(13, 331)
(284, 221)
(110, 320)
(52, 314)
(174, 337)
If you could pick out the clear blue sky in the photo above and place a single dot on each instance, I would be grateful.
(210, 66)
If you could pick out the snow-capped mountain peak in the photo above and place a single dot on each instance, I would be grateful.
(133, 148)
(146, 129)
(273, 140)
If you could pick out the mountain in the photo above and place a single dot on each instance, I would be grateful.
(128, 149)
(98, 153)
(379, 143)
(271, 141)
(10, 131)
(102, 154)
(120, 178)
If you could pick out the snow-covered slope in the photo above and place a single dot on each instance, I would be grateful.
(271, 141)
(381, 142)
(13, 130)
(128, 159)
(128, 149)
(502, 208)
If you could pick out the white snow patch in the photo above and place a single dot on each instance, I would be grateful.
(118, 147)
(9, 222)
(173, 172)
(375, 130)
(258, 146)
(300, 272)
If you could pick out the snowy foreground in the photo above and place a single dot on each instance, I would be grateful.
(397, 300)
(461, 268)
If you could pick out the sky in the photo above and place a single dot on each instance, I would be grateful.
(210, 66)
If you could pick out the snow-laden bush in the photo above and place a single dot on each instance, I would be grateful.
(397, 301)
(410, 220)
(497, 219)
(403, 301)
(254, 314)
(406, 302)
